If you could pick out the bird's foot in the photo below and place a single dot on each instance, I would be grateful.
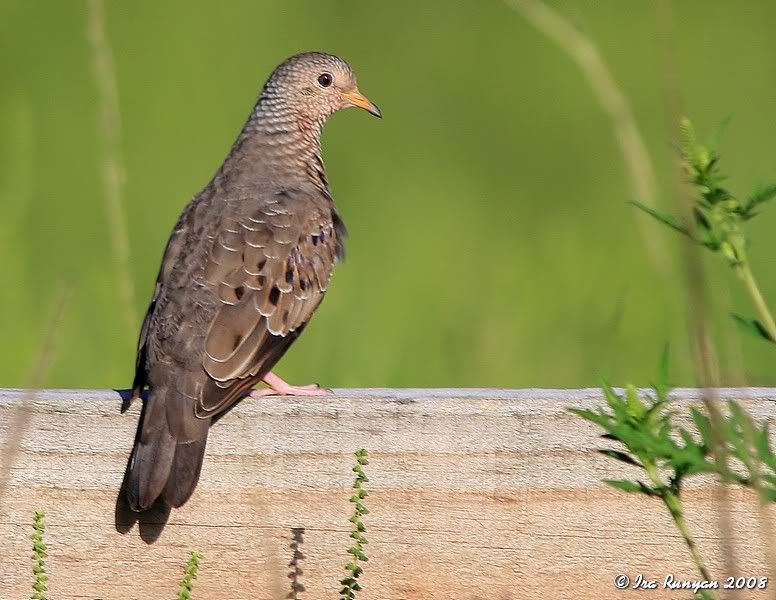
(279, 387)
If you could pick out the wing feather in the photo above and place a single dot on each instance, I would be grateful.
(270, 269)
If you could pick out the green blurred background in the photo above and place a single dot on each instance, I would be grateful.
(491, 243)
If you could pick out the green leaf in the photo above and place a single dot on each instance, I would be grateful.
(687, 140)
(739, 430)
(688, 440)
(703, 425)
(616, 403)
(621, 456)
(654, 415)
(665, 218)
(763, 446)
(635, 405)
(716, 135)
(760, 196)
(600, 419)
(753, 326)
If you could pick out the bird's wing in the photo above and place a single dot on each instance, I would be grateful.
(171, 253)
(270, 269)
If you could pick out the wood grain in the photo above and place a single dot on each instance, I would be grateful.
(474, 494)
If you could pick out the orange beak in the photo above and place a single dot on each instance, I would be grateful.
(356, 98)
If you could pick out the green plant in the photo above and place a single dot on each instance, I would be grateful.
(39, 555)
(189, 575)
(728, 443)
(645, 429)
(718, 221)
(350, 583)
(669, 453)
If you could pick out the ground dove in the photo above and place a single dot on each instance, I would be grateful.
(246, 266)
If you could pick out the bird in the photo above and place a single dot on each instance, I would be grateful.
(246, 266)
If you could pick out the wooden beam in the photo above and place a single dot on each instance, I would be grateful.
(474, 494)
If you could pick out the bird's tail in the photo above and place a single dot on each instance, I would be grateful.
(167, 458)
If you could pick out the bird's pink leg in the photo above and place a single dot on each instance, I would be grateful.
(279, 387)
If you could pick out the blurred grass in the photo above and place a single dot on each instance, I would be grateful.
(491, 243)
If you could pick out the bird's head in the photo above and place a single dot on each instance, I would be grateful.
(314, 85)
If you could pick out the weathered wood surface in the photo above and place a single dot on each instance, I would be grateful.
(474, 494)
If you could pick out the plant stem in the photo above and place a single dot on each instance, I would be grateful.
(113, 172)
(747, 276)
(745, 272)
(581, 49)
(674, 505)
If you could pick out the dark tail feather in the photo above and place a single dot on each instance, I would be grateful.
(184, 473)
(168, 453)
(149, 468)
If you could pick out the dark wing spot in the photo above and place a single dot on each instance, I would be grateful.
(239, 292)
(289, 276)
(261, 280)
(314, 238)
(261, 264)
(237, 340)
(274, 296)
(322, 236)
(303, 284)
(285, 317)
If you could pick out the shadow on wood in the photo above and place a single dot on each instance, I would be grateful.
(150, 522)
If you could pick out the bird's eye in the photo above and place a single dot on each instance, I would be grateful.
(325, 79)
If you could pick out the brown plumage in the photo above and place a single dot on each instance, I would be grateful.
(246, 266)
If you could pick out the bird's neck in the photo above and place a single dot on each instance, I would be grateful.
(282, 140)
